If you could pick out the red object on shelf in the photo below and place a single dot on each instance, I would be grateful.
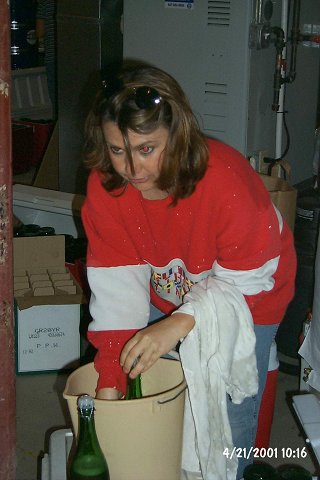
(315, 38)
(268, 402)
(22, 148)
(29, 142)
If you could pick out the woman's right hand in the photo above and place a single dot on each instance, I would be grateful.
(150, 343)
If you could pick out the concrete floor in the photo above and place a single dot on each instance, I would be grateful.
(41, 409)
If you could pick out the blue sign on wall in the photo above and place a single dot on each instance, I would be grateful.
(179, 4)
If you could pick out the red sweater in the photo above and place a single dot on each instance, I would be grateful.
(140, 248)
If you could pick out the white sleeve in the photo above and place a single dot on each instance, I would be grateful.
(249, 282)
(120, 298)
(253, 281)
(185, 308)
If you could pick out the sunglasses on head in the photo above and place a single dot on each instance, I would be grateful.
(144, 97)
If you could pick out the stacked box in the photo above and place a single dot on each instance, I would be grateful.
(47, 306)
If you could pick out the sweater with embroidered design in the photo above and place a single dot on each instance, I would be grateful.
(148, 250)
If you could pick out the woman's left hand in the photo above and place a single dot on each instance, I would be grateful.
(149, 344)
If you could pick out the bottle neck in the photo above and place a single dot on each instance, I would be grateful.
(134, 390)
(89, 462)
(87, 438)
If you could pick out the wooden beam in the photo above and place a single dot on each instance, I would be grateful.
(7, 350)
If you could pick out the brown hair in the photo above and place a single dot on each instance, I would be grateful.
(186, 152)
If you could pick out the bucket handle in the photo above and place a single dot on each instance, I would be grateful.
(174, 354)
(170, 399)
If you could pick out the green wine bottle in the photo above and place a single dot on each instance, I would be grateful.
(89, 462)
(134, 388)
(260, 471)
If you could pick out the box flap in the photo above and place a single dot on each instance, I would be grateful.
(57, 299)
(33, 252)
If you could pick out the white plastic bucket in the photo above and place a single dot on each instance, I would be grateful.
(141, 439)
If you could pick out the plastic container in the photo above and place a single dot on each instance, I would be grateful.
(59, 210)
(54, 463)
(307, 408)
(24, 53)
(141, 439)
(30, 96)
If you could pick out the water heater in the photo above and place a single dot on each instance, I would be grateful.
(204, 44)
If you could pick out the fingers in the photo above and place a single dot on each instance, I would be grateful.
(129, 355)
(134, 371)
(142, 364)
(135, 362)
(150, 343)
(138, 355)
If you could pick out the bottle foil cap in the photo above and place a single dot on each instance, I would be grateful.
(85, 402)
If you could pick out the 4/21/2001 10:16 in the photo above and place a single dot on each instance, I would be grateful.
(284, 452)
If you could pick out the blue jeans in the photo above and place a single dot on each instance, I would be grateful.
(243, 418)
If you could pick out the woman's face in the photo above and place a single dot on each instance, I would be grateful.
(147, 152)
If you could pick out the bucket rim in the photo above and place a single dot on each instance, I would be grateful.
(165, 395)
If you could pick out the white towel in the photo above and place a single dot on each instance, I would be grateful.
(218, 358)
(310, 348)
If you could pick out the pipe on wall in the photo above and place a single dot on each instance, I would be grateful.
(287, 77)
(280, 112)
(7, 357)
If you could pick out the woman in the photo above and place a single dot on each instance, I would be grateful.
(166, 208)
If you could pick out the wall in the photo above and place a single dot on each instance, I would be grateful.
(230, 87)
(89, 40)
(206, 49)
(302, 100)
(261, 118)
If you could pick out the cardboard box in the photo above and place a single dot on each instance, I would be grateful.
(47, 313)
